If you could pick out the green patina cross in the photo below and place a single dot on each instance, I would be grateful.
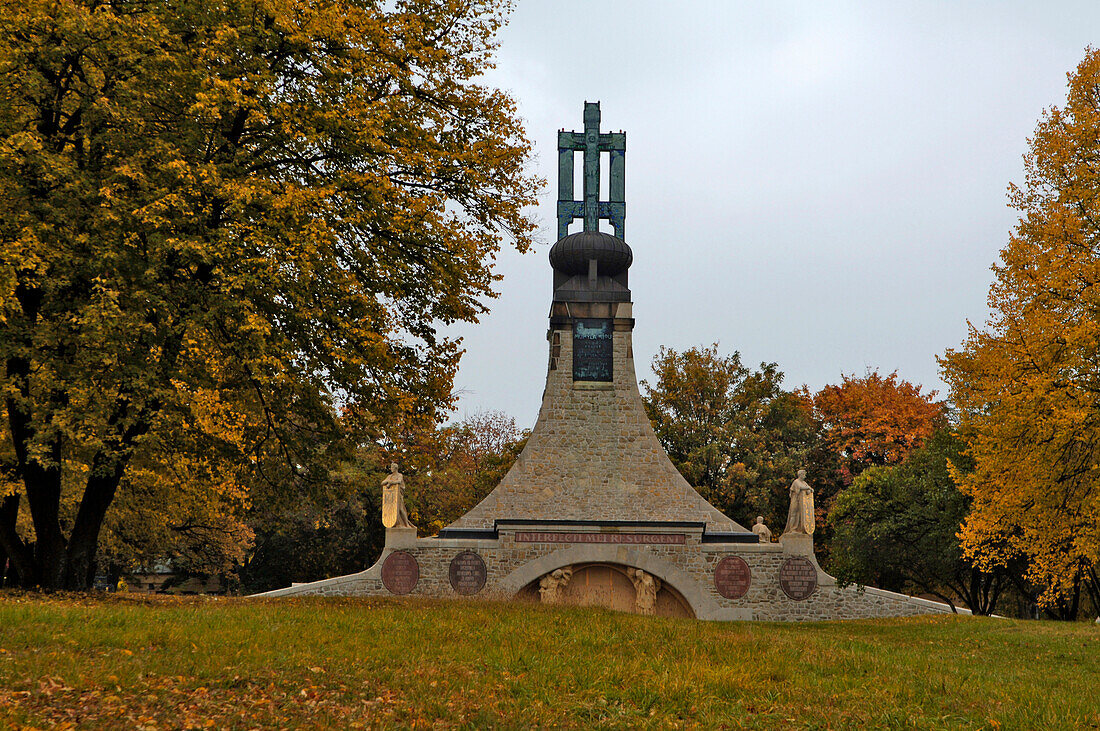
(592, 143)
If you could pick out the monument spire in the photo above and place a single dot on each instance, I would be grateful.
(592, 455)
(592, 143)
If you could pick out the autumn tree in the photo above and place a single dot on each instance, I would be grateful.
(733, 433)
(186, 501)
(320, 535)
(231, 220)
(896, 527)
(1028, 385)
(9, 522)
(448, 469)
(874, 420)
(457, 465)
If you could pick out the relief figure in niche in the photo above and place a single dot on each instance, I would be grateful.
(552, 585)
(646, 587)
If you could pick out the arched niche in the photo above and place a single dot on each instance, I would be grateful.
(698, 595)
(602, 584)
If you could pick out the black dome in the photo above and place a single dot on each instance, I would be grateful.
(571, 254)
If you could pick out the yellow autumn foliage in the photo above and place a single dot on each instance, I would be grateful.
(1027, 386)
(230, 232)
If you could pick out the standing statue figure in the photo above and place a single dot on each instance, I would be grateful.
(762, 531)
(646, 587)
(393, 500)
(551, 585)
(800, 518)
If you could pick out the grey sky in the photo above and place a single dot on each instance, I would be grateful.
(821, 185)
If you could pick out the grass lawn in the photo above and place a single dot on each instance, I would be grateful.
(238, 663)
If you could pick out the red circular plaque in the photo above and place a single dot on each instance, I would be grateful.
(797, 578)
(732, 577)
(400, 572)
(467, 573)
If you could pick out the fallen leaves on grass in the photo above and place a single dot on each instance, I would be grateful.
(169, 702)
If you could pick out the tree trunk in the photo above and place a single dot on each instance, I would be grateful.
(44, 497)
(43, 485)
(1092, 585)
(993, 592)
(42, 481)
(15, 559)
(103, 480)
(59, 563)
(983, 591)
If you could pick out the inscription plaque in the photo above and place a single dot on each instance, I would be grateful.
(400, 572)
(467, 573)
(537, 537)
(797, 578)
(732, 577)
(592, 352)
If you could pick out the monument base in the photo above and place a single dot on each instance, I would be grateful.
(727, 576)
(400, 537)
(799, 544)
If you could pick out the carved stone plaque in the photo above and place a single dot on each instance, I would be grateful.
(732, 577)
(592, 350)
(545, 537)
(400, 572)
(797, 578)
(467, 573)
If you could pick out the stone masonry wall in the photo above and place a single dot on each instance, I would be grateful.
(688, 568)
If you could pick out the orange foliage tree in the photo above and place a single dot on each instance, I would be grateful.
(874, 420)
(1028, 386)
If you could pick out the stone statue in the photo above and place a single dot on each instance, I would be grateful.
(646, 587)
(393, 500)
(761, 530)
(551, 585)
(800, 518)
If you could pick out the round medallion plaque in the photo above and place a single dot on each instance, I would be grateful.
(732, 577)
(467, 573)
(797, 578)
(400, 572)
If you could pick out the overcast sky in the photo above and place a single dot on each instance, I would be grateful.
(820, 185)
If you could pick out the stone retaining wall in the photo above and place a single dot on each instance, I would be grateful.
(689, 568)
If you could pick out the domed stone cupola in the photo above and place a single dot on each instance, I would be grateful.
(591, 266)
(574, 254)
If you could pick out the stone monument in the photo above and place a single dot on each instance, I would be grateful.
(798, 534)
(394, 514)
(762, 531)
(593, 512)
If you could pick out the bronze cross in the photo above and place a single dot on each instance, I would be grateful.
(592, 142)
